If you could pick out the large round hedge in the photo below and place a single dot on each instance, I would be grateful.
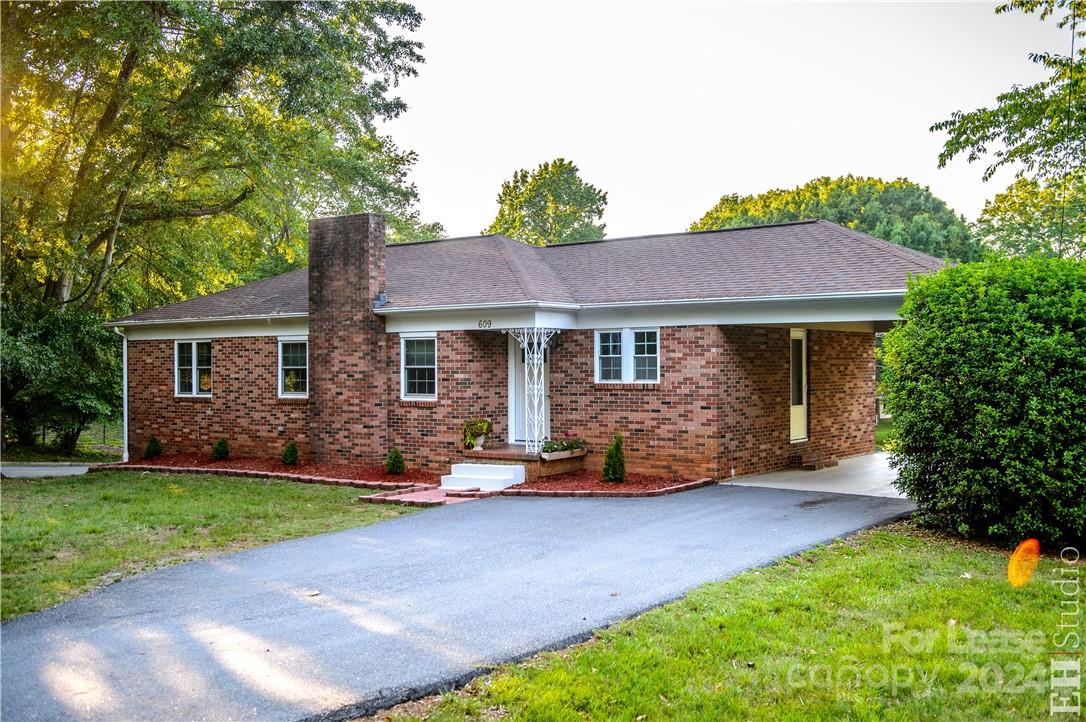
(986, 381)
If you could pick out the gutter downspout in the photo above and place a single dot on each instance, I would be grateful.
(124, 388)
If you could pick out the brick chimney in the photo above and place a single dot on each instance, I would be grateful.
(348, 413)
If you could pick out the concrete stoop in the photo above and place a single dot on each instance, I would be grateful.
(482, 477)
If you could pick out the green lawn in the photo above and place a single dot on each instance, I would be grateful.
(882, 432)
(64, 536)
(787, 643)
(101, 441)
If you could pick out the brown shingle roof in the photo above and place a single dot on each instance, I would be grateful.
(787, 259)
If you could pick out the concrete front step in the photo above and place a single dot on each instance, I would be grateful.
(485, 477)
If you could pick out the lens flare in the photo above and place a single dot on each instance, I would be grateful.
(1023, 562)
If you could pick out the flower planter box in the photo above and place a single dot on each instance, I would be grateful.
(559, 462)
(556, 455)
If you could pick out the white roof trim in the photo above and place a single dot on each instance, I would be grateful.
(540, 305)
(207, 319)
(857, 295)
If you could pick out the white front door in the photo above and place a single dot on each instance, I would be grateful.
(797, 382)
(517, 416)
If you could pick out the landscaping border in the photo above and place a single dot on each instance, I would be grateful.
(664, 491)
(303, 478)
(389, 491)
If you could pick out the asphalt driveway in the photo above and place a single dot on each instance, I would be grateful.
(339, 624)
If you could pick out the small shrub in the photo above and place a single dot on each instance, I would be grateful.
(473, 429)
(290, 454)
(220, 450)
(153, 450)
(986, 382)
(614, 463)
(394, 463)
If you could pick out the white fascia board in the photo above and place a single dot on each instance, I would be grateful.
(165, 322)
(386, 311)
(493, 318)
(293, 325)
(831, 308)
(795, 311)
(847, 295)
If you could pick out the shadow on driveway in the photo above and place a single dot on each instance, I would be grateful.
(349, 622)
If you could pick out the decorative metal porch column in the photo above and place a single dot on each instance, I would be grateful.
(534, 342)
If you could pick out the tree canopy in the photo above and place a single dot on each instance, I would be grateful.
(154, 151)
(550, 205)
(1039, 128)
(1032, 217)
(898, 211)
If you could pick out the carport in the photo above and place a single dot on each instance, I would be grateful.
(866, 475)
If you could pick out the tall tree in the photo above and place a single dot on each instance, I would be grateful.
(550, 205)
(1037, 218)
(1041, 128)
(158, 150)
(898, 211)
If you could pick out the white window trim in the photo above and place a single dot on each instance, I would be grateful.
(279, 368)
(195, 375)
(628, 371)
(404, 396)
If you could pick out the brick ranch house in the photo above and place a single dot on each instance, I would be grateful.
(716, 353)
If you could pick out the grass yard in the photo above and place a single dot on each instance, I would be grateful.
(99, 442)
(64, 536)
(805, 639)
(882, 432)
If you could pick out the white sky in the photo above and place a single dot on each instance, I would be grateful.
(668, 106)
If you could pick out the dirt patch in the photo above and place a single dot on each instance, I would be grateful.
(250, 463)
(588, 480)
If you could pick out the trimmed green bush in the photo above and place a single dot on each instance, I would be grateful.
(614, 462)
(394, 463)
(220, 450)
(290, 453)
(153, 450)
(987, 386)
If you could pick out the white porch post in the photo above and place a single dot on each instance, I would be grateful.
(534, 342)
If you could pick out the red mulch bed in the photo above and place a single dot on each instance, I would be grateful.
(334, 471)
(588, 480)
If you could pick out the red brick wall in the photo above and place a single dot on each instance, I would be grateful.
(244, 406)
(671, 427)
(722, 401)
(755, 413)
(841, 393)
(347, 340)
(473, 381)
(841, 398)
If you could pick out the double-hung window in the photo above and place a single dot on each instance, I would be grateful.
(192, 368)
(418, 367)
(293, 367)
(610, 356)
(628, 355)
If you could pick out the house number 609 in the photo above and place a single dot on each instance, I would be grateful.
(484, 323)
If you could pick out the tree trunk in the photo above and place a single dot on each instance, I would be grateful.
(68, 438)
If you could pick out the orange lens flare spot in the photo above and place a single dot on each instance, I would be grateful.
(1023, 562)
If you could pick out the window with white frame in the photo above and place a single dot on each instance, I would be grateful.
(610, 356)
(628, 355)
(293, 367)
(418, 367)
(192, 368)
(646, 358)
